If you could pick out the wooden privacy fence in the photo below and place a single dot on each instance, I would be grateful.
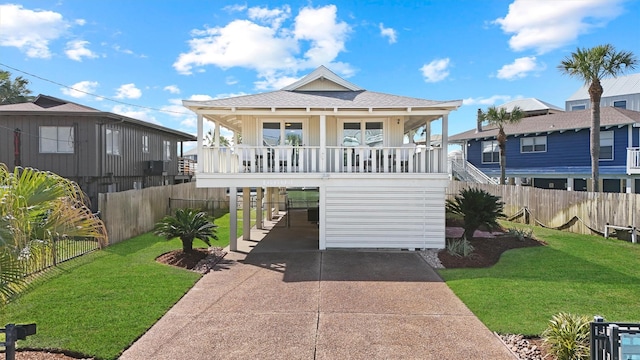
(130, 213)
(576, 211)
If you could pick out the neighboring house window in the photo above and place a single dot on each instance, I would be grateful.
(533, 144)
(56, 139)
(166, 150)
(578, 107)
(113, 142)
(145, 143)
(490, 152)
(606, 145)
(622, 104)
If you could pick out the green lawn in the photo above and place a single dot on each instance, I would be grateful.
(100, 303)
(575, 273)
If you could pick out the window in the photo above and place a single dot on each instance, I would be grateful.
(578, 107)
(622, 104)
(113, 142)
(56, 139)
(274, 132)
(145, 143)
(490, 152)
(606, 145)
(369, 133)
(166, 150)
(533, 144)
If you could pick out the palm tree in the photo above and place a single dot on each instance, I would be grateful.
(477, 208)
(38, 209)
(210, 139)
(188, 225)
(591, 66)
(13, 92)
(500, 117)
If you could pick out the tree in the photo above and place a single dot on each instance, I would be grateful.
(477, 208)
(38, 209)
(591, 66)
(500, 117)
(13, 92)
(188, 225)
(210, 139)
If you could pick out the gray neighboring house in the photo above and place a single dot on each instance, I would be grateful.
(622, 92)
(101, 151)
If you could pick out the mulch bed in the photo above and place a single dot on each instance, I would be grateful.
(198, 260)
(486, 253)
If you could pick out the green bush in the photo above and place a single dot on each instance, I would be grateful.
(520, 234)
(459, 247)
(568, 336)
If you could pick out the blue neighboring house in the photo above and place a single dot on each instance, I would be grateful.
(552, 151)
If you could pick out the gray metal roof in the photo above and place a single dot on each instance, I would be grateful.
(563, 121)
(43, 104)
(530, 105)
(622, 85)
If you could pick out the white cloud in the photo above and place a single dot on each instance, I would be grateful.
(128, 91)
(172, 89)
(263, 43)
(77, 49)
(230, 80)
(435, 71)
(119, 49)
(487, 101)
(135, 113)
(81, 22)
(520, 68)
(389, 33)
(548, 25)
(80, 89)
(200, 97)
(30, 30)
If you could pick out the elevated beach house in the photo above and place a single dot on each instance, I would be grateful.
(323, 132)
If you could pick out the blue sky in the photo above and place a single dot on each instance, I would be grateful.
(149, 55)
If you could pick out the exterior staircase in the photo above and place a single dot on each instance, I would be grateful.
(465, 171)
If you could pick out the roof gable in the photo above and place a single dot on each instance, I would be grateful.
(322, 79)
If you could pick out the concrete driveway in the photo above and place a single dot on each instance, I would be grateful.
(319, 305)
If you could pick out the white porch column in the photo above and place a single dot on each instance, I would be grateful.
(199, 143)
(631, 186)
(427, 141)
(570, 185)
(445, 144)
(276, 196)
(518, 181)
(246, 213)
(216, 134)
(269, 203)
(323, 143)
(233, 218)
(259, 212)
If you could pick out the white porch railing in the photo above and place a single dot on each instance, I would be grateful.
(186, 166)
(307, 159)
(633, 160)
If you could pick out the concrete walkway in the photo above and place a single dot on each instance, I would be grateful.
(299, 303)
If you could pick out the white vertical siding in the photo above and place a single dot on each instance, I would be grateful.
(250, 130)
(332, 131)
(385, 216)
(313, 131)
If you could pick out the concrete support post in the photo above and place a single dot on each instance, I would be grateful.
(259, 212)
(246, 213)
(570, 185)
(233, 218)
(276, 196)
(269, 203)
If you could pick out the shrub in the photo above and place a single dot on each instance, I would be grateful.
(568, 336)
(478, 208)
(459, 247)
(520, 234)
(188, 225)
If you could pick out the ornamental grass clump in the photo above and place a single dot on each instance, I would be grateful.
(460, 247)
(567, 336)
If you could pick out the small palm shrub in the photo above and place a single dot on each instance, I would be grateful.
(188, 225)
(478, 208)
(459, 247)
(567, 336)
